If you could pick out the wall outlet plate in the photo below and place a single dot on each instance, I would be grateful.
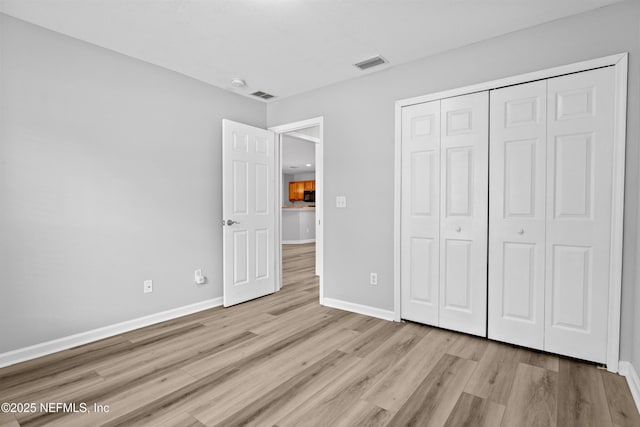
(373, 278)
(199, 277)
(148, 286)
(341, 201)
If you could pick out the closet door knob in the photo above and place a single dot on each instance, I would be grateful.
(458, 229)
(521, 231)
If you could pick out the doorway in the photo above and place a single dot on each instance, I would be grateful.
(300, 192)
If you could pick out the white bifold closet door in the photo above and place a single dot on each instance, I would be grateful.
(420, 230)
(464, 159)
(444, 213)
(517, 214)
(580, 123)
(550, 213)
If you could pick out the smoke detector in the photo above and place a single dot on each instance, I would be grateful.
(238, 83)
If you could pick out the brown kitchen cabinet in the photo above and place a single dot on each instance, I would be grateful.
(297, 189)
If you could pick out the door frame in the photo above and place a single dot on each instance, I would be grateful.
(280, 130)
(620, 64)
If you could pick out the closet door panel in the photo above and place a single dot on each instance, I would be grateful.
(517, 214)
(463, 221)
(579, 188)
(420, 245)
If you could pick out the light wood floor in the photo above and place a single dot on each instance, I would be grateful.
(286, 360)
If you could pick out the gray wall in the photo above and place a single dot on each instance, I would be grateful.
(359, 130)
(634, 328)
(298, 224)
(286, 179)
(110, 174)
(307, 176)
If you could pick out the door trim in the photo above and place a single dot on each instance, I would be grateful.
(280, 130)
(620, 64)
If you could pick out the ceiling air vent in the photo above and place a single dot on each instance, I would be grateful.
(371, 62)
(263, 95)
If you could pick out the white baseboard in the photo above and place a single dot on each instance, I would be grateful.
(64, 343)
(298, 242)
(628, 371)
(358, 308)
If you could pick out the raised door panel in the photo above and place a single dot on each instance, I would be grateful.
(421, 253)
(520, 175)
(308, 185)
(519, 283)
(463, 213)
(420, 212)
(240, 170)
(263, 254)
(262, 194)
(457, 272)
(517, 214)
(572, 176)
(571, 282)
(459, 186)
(241, 257)
(579, 186)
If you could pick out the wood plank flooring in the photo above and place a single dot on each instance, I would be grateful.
(285, 360)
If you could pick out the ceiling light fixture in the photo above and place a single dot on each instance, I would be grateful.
(308, 164)
(238, 83)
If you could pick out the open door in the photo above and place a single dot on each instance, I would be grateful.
(248, 209)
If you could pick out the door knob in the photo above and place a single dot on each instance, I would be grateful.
(231, 222)
(521, 231)
(458, 229)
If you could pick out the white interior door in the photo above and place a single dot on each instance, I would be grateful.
(248, 209)
(420, 212)
(464, 145)
(580, 120)
(517, 214)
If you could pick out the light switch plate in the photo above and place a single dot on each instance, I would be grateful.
(341, 201)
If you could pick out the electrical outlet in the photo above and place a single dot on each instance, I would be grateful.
(341, 201)
(373, 278)
(199, 277)
(148, 286)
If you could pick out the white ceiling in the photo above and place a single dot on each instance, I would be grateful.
(297, 154)
(285, 47)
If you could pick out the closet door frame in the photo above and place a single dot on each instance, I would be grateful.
(620, 64)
